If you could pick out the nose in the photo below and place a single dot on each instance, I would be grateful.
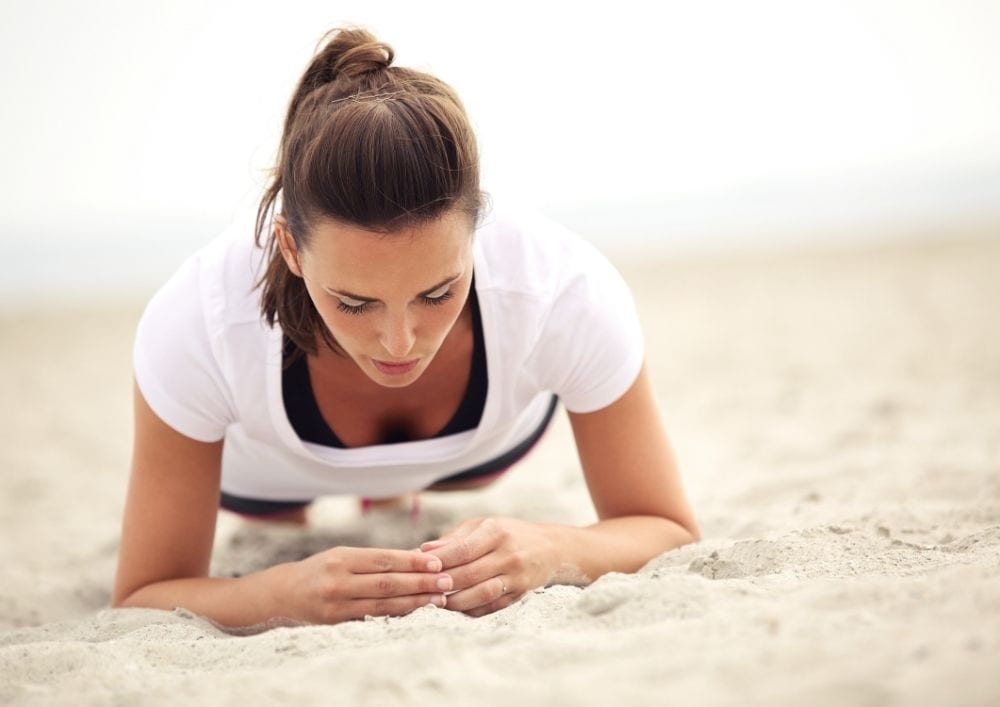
(397, 336)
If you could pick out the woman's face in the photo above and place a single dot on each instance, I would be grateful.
(389, 300)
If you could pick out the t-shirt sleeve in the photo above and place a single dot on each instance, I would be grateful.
(176, 367)
(591, 346)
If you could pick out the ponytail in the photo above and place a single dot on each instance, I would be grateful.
(368, 144)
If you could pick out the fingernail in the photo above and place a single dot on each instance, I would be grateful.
(444, 583)
(439, 600)
(434, 565)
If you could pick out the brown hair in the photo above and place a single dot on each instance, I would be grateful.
(365, 143)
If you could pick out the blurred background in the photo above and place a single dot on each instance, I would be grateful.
(130, 133)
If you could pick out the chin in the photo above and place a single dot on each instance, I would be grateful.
(395, 381)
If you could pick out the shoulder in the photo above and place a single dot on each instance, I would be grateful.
(578, 332)
(189, 329)
(218, 281)
(522, 251)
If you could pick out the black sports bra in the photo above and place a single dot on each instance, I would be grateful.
(305, 418)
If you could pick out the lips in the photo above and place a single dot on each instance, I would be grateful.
(395, 369)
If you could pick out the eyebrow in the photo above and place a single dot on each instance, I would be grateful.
(350, 295)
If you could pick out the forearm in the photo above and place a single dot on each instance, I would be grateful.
(625, 544)
(230, 601)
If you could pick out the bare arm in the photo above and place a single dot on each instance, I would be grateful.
(635, 485)
(170, 510)
(166, 547)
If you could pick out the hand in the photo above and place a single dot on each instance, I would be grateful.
(493, 562)
(345, 583)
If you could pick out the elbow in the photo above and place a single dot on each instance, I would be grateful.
(695, 534)
(120, 601)
(679, 531)
(123, 597)
(691, 526)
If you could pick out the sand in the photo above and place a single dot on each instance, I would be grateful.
(837, 418)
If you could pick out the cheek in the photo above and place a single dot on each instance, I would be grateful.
(437, 321)
(344, 327)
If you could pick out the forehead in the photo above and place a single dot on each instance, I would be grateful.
(344, 256)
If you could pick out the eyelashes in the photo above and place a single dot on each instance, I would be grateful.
(348, 309)
(362, 308)
(437, 301)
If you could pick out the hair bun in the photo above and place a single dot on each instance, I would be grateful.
(352, 52)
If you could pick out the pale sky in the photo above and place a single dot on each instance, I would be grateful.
(126, 123)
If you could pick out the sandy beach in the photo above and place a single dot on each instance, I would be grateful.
(837, 419)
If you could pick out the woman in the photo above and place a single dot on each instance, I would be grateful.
(385, 333)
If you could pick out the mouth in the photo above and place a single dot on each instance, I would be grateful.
(395, 369)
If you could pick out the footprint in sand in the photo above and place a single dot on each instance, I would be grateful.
(714, 567)
(754, 558)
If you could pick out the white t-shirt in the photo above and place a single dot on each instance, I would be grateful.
(556, 316)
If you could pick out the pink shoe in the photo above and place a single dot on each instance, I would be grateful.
(367, 504)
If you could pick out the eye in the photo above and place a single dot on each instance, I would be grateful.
(351, 306)
(437, 299)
